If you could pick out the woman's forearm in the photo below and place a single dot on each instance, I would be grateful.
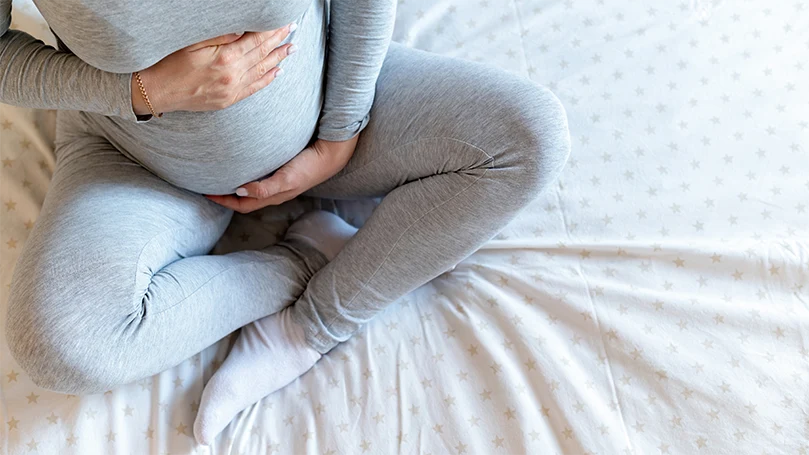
(34, 74)
(360, 32)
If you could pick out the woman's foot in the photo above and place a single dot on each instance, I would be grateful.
(269, 354)
(272, 351)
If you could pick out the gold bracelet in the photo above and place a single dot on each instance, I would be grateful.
(146, 97)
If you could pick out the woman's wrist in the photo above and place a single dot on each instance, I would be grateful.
(139, 106)
(342, 151)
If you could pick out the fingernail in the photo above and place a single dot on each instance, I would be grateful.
(292, 27)
(292, 49)
(279, 72)
(241, 192)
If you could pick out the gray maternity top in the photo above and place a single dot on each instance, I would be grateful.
(326, 91)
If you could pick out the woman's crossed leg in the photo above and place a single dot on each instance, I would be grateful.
(114, 283)
(457, 149)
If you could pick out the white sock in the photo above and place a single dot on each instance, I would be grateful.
(270, 352)
(323, 230)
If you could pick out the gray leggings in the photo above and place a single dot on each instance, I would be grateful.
(115, 282)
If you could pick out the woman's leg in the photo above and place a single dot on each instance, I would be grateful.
(457, 148)
(114, 283)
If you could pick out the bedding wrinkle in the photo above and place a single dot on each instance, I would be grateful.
(607, 357)
(681, 220)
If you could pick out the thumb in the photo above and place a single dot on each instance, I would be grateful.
(264, 188)
(216, 41)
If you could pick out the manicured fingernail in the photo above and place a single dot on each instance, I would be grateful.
(292, 27)
(279, 72)
(292, 49)
(241, 192)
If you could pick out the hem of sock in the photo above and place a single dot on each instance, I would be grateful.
(312, 336)
(298, 331)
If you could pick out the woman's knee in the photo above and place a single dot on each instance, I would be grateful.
(56, 351)
(538, 141)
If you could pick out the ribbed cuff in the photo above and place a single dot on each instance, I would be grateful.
(344, 133)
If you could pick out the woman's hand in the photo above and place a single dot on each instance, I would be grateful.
(213, 74)
(313, 166)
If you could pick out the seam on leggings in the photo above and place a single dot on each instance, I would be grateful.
(364, 285)
(411, 143)
(208, 281)
(140, 256)
(139, 304)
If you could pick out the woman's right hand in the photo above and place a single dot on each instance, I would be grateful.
(213, 74)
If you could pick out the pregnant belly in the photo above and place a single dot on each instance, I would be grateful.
(215, 152)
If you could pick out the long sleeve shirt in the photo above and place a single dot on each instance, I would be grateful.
(326, 91)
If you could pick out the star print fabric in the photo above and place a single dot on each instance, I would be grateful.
(653, 302)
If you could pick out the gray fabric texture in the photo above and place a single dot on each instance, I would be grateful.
(116, 283)
(107, 41)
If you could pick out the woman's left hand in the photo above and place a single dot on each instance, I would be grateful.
(312, 166)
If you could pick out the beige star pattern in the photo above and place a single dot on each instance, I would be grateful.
(653, 300)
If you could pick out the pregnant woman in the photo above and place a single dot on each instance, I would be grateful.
(115, 282)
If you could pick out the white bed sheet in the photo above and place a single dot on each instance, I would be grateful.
(654, 301)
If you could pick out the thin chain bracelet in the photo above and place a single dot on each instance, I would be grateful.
(146, 97)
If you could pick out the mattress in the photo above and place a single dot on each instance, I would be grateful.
(654, 301)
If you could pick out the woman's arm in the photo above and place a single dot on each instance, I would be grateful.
(34, 74)
(359, 34)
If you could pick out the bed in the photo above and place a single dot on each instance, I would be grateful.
(654, 301)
